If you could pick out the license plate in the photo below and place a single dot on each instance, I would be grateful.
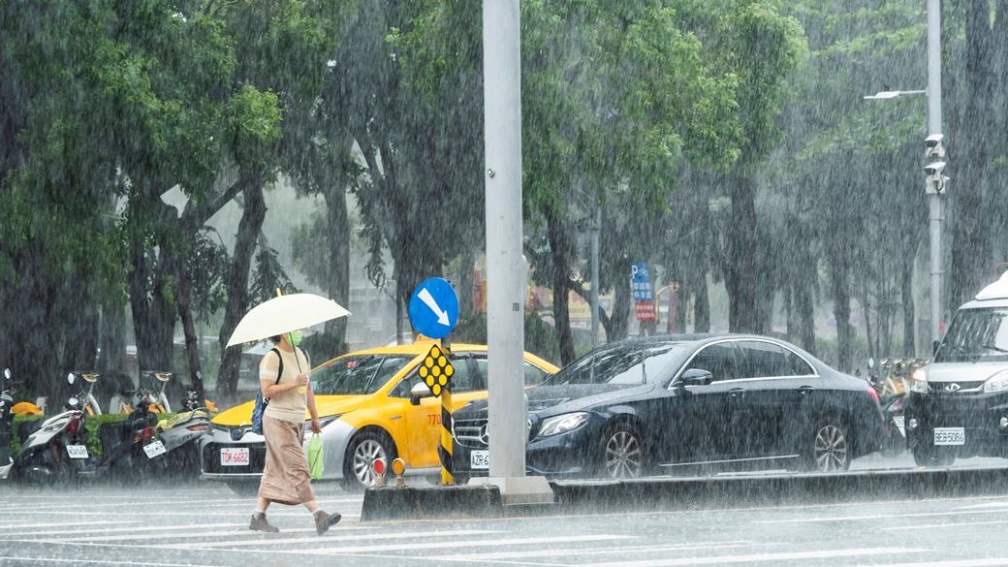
(77, 451)
(234, 457)
(479, 460)
(899, 420)
(949, 436)
(154, 449)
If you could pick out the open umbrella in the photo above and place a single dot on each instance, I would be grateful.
(283, 314)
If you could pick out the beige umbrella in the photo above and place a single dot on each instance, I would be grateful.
(284, 314)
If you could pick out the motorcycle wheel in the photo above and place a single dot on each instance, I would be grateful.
(41, 469)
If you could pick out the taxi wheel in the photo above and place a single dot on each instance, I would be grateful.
(365, 448)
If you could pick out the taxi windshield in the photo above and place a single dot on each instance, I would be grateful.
(976, 335)
(356, 375)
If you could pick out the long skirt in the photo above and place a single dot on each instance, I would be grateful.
(285, 477)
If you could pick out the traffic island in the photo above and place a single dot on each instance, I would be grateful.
(407, 502)
(476, 501)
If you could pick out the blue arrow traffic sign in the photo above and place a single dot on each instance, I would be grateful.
(434, 308)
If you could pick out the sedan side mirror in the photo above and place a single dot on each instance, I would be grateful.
(418, 392)
(697, 377)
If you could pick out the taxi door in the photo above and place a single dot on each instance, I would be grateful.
(422, 427)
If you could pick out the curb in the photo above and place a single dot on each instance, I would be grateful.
(390, 503)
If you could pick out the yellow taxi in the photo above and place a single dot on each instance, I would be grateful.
(373, 404)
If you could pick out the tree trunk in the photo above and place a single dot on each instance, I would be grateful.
(970, 268)
(339, 261)
(249, 228)
(840, 290)
(741, 277)
(906, 295)
(560, 246)
(465, 285)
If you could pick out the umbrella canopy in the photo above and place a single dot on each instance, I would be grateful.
(284, 314)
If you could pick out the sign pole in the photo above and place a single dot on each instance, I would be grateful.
(445, 451)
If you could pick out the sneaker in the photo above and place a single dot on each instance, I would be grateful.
(261, 525)
(323, 521)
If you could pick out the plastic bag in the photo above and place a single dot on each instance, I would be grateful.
(315, 464)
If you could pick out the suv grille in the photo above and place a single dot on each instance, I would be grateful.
(956, 388)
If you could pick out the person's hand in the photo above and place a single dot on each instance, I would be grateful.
(316, 427)
(302, 379)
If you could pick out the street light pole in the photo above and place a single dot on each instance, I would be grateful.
(934, 181)
(934, 133)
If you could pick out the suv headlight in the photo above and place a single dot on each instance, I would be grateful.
(562, 424)
(996, 383)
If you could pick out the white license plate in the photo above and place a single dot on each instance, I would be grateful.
(77, 451)
(949, 436)
(899, 420)
(234, 456)
(479, 460)
(154, 449)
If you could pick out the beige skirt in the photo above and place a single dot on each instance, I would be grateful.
(285, 477)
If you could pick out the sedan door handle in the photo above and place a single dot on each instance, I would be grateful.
(735, 392)
(805, 389)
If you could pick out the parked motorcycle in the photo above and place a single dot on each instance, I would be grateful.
(58, 450)
(6, 426)
(181, 433)
(891, 384)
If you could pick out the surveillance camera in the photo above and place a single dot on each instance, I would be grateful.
(936, 182)
(933, 147)
(934, 169)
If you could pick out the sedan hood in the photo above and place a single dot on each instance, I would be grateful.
(327, 406)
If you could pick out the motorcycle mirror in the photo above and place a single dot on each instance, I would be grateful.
(163, 376)
(71, 378)
(90, 377)
(73, 402)
(871, 362)
(7, 373)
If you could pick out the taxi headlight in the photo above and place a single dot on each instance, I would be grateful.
(562, 424)
(997, 383)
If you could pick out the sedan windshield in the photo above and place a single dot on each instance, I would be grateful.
(356, 375)
(976, 335)
(628, 363)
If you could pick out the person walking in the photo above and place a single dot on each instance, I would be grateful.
(285, 478)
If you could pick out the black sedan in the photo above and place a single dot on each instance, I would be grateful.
(659, 405)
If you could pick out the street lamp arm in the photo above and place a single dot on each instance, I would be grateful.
(885, 95)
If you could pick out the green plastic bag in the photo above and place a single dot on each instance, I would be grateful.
(315, 464)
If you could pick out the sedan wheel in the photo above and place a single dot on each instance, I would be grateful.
(622, 454)
(830, 448)
(365, 449)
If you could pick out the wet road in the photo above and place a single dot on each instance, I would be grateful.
(205, 524)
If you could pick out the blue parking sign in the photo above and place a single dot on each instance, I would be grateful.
(640, 281)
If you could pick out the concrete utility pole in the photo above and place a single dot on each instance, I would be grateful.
(935, 187)
(507, 271)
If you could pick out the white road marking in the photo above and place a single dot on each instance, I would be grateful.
(531, 541)
(573, 551)
(761, 557)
